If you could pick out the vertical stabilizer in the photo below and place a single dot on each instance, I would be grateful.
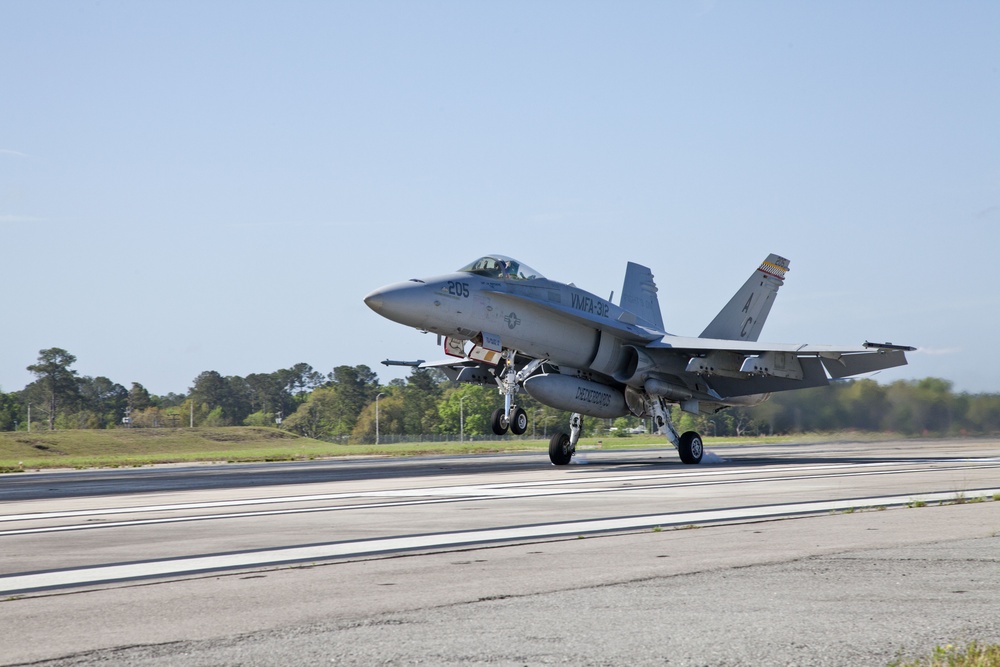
(639, 296)
(744, 315)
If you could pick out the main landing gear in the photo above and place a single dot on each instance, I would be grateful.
(690, 448)
(563, 446)
(689, 445)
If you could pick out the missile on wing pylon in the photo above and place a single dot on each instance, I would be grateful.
(394, 362)
(576, 395)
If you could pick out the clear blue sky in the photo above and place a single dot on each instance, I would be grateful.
(192, 186)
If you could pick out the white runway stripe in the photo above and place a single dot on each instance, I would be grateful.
(428, 496)
(22, 583)
(509, 489)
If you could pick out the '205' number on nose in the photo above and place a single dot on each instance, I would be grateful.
(458, 289)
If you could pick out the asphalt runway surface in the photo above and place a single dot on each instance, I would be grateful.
(841, 553)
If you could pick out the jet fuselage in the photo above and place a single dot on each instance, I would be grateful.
(524, 314)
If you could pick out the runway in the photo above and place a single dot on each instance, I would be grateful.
(197, 560)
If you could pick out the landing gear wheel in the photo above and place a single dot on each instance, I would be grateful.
(560, 451)
(499, 422)
(691, 448)
(518, 422)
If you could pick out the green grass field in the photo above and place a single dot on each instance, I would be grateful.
(136, 447)
(21, 451)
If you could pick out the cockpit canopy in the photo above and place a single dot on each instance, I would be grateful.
(503, 267)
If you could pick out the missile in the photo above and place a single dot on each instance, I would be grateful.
(576, 395)
(394, 362)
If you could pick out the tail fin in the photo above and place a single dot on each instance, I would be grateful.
(744, 315)
(639, 295)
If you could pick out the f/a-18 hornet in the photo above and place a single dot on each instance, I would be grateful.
(572, 350)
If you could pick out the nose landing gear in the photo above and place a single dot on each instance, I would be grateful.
(517, 422)
(511, 416)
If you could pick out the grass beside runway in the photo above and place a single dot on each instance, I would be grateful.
(21, 451)
(974, 655)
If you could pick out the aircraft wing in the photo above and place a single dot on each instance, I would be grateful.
(739, 359)
(458, 370)
(683, 343)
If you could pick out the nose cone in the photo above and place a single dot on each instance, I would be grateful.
(401, 302)
(375, 301)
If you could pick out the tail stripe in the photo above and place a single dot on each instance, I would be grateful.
(773, 270)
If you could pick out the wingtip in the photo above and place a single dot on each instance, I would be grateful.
(890, 346)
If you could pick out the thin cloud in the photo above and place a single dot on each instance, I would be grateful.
(11, 219)
(987, 213)
(7, 151)
(284, 224)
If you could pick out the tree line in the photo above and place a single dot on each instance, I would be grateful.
(349, 404)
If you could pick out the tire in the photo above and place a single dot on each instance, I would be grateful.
(691, 448)
(559, 449)
(499, 422)
(519, 422)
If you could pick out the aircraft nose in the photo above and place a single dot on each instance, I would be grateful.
(400, 302)
(375, 301)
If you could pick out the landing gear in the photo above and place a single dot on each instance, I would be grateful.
(689, 446)
(519, 421)
(560, 452)
(562, 446)
(511, 416)
(500, 423)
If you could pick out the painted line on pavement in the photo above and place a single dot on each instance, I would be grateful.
(22, 583)
(482, 490)
(424, 496)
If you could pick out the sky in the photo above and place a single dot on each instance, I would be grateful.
(192, 186)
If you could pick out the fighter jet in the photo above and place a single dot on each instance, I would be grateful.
(505, 323)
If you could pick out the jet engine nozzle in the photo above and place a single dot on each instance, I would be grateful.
(636, 367)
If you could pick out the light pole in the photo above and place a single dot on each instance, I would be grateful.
(376, 416)
(461, 418)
